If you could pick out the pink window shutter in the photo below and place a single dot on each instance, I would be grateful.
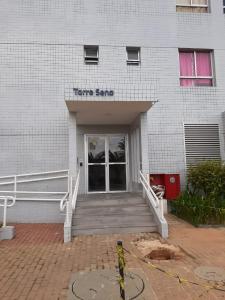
(203, 64)
(204, 68)
(186, 67)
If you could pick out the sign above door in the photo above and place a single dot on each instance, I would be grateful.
(93, 92)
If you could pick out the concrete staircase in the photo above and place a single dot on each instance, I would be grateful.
(112, 213)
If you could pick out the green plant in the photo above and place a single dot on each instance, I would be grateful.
(197, 210)
(207, 180)
(203, 201)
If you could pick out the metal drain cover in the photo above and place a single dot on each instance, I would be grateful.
(103, 285)
(211, 273)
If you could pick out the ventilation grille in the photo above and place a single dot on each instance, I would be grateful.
(202, 142)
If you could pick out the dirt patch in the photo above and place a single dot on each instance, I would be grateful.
(161, 254)
(158, 250)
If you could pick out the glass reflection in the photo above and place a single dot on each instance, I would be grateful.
(117, 149)
(96, 150)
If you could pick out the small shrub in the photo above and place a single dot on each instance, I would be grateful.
(203, 201)
(197, 210)
(207, 180)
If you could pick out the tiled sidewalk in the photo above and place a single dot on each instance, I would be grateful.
(37, 265)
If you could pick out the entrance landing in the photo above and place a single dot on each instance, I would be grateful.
(112, 213)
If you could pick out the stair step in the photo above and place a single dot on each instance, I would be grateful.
(114, 230)
(108, 196)
(112, 210)
(112, 213)
(96, 221)
(110, 202)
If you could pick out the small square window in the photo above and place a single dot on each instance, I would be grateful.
(91, 54)
(133, 56)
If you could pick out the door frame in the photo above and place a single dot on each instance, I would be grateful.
(106, 136)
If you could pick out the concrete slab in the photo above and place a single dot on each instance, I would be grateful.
(7, 233)
(211, 273)
(103, 285)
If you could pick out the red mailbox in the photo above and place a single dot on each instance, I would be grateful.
(171, 182)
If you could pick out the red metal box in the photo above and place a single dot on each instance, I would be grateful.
(171, 182)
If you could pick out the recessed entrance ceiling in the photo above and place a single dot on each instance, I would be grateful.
(107, 112)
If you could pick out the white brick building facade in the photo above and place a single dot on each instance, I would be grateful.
(42, 60)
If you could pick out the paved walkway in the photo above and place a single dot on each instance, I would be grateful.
(37, 265)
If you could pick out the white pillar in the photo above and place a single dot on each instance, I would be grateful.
(144, 142)
(72, 144)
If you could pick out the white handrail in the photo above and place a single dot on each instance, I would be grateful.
(32, 180)
(21, 178)
(155, 202)
(72, 194)
(63, 202)
(154, 199)
(159, 190)
(69, 204)
(35, 174)
(33, 192)
(39, 199)
(74, 198)
(14, 180)
(42, 176)
(6, 205)
(156, 205)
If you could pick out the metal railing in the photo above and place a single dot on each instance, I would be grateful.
(75, 193)
(156, 204)
(67, 199)
(15, 180)
(69, 203)
(13, 193)
(63, 202)
(5, 204)
(159, 190)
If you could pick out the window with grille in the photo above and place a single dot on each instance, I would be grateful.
(196, 68)
(133, 55)
(91, 54)
(202, 143)
(199, 6)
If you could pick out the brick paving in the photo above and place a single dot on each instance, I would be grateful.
(37, 265)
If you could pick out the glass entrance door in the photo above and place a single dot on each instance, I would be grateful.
(96, 164)
(107, 163)
(117, 163)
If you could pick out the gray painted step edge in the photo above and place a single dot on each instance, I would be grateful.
(118, 202)
(103, 211)
(115, 230)
(112, 223)
(85, 227)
